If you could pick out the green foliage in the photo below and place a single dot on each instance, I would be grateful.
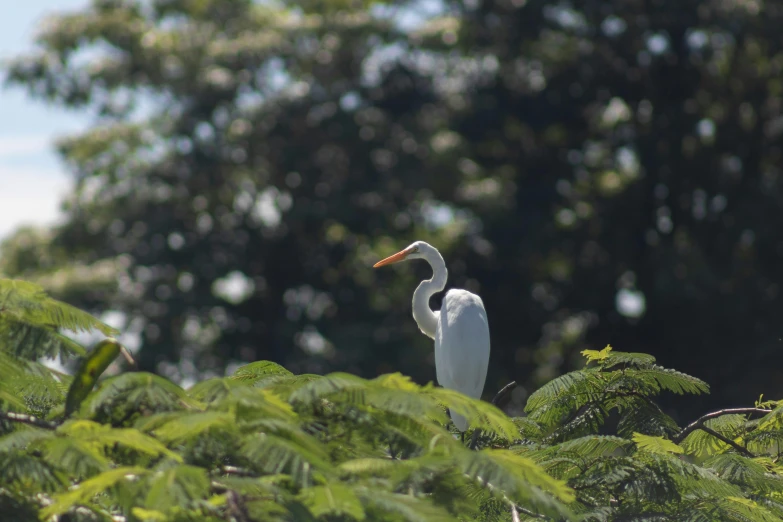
(655, 444)
(579, 402)
(31, 322)
(264, 444)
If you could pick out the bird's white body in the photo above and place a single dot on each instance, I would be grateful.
(462, 346)
(460, 329)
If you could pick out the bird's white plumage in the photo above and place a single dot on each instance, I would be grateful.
(460, 329)
(462, 346)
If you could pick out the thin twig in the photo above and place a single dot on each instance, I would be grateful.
(217, 487)
(503, 393)
(28, 419)
(526, 512)
(514, 514)
(510, 502)
(499, 396)
(233, 470)
(698, 423)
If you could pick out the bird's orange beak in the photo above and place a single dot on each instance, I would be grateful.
(396, 258)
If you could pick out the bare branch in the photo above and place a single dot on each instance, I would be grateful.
(515, 508)
(699, 423)
(503, 393)
(28, 419)
(514, 514)
(233, 470)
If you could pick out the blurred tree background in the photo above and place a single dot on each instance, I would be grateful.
(598, 171)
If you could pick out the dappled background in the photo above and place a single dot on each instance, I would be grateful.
(598, 171)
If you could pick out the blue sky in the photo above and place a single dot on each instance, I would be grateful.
(32, 180)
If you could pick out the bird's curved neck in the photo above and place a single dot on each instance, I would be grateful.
(424, 316)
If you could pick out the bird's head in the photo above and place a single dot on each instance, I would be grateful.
(416, 250)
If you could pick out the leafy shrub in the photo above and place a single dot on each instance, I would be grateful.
(265, 444)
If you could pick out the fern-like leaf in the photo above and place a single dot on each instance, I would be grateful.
(656, 444)
(32, 342)
(701, 444)
(253, 372)
(27, 302)
(175, 487)
(480, 414)
(106, 437)
(129, 392)
(30, 322)
(333, 499)
(407, 507)
(85, 491)
(518, 478)
(743, 471)
(273, 454)
(554, 401)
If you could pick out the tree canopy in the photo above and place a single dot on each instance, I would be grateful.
(264, 444)
(596, 171)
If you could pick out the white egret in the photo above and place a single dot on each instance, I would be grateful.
(460, 328)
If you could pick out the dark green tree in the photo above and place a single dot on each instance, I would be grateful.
(637, 147)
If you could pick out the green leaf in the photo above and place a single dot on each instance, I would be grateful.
(250, 373)
(29, 475)
(327, 385)
(34, 342)
(410, 508)
(595, 355)
(742, 509)
(106, 436)
(214, 389)
(332, 499)
(368, 466)
(85, 491)
(671, 380)
(479, 414)
(396, 381)
(583, 449)
(101, 356)
(188, 425)
(273, 454)
(148, 515)
(642, 416)
(28, 302)
(251, 403)
(607, 358)
(81, 458)
(701, 444)
(130, 392)
(500, 466)
(552, 403)
(12, 373)
(744, 471)
(23, 438)
(176, 486)
(656, 444)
